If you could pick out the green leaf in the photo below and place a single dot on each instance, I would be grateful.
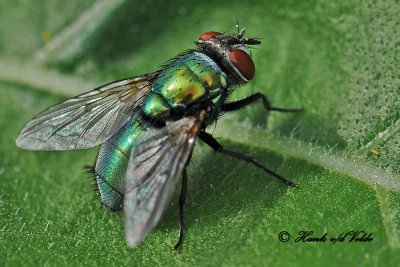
(338, 60)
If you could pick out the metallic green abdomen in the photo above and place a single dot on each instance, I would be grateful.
(112, 161)
(186, 80)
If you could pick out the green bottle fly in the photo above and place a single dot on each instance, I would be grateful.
(148, 125)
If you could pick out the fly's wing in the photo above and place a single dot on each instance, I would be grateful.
(86, 120)
(155, 167)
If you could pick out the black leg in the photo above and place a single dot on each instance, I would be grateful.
(182, 198)
(253, 98)
(210, 140)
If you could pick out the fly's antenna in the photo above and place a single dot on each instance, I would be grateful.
(251, 41)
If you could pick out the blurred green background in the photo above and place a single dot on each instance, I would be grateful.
(338, 60)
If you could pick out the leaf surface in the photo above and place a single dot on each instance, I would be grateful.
(338, 60)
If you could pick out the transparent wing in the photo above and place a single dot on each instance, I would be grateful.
(86, 120)
(154, 169)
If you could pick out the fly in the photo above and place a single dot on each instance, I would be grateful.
(147, 127)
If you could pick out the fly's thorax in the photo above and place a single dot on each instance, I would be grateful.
(189, 79)
(155, 106)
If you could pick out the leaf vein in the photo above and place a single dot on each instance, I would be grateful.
(388, 215)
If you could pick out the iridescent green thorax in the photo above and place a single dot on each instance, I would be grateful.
(111, 164)
(190, 78)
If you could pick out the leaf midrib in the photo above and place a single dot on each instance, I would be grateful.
(337, 161)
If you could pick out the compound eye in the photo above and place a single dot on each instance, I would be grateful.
(208, 35)
(243, 62)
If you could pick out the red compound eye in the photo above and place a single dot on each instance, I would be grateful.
(208, 35)
(243, 62)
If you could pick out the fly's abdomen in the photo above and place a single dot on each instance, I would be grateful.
(112, 161)
(188, 79)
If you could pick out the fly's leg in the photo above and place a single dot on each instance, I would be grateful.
(182, 199)
(253, 98)
(210, 140)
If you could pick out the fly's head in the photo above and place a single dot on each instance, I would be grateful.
(231, 53)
